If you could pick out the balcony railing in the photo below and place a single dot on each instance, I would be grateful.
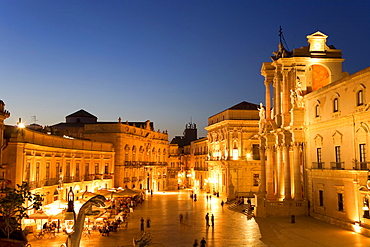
(108, 176)
(200, 169)
(143, 163)
(337, 165)
(134, 179)
(318, 165)
(51, 181)
(89, 177)
(362, 165)
(36, 184)
(126, 180)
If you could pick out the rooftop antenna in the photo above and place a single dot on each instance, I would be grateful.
(34, 119)
(281, 37)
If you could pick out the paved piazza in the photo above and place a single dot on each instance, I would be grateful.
(231, 228)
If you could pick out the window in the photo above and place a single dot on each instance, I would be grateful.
(256, 178)
(96, 168)
(319, 161)
(337, 154)
(106, 170)
(37, 172)
(321, 198)
(68, 169)
(363, 164)
(340, 202)
(28, 169)
(77, 175)
(256, 151)
(47, 172)
(335, 105)
(360, 97)
(87, 169)
(317, 111)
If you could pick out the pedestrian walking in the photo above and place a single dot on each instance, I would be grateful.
(181, 217)
(207, 220)
(142, 224)
(203, 242)
(147, 222)
(195, 243)
(222, 203)
(213, 220)
(195, 197)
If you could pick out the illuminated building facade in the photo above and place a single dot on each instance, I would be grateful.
(4, 114)
(141, 154)
(199, 168)
(314, 137)
(181, 154)
(52, 164)
(233, 147)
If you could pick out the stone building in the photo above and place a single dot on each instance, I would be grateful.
(199, 168)
(181, 154)
(314, 133)
(52, 164)
(233, 147)
(337, 165)
(141, 153)
(4, 114)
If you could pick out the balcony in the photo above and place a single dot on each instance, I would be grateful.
(362, 166)
(51, 182)
(108, 176)
(67, 179)
(337, 165)
(89, 177)
(200, 169)
(318, 165)
(134, 179)
(126, 180)
(36, 184)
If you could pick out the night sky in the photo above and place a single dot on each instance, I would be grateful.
(170, 62)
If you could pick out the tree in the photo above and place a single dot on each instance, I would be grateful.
(14, 203)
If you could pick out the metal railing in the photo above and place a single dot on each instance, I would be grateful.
(318, 165)
(362, 165)
(337, 165)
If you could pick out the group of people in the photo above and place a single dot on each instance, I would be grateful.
(202, 243)
(212, 220)
(142, 224)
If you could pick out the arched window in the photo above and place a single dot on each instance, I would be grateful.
(335, 105)
(317, 110)
(360, 97)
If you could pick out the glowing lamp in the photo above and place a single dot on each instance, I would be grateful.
(69, 217)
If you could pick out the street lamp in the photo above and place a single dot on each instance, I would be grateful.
(69, 217)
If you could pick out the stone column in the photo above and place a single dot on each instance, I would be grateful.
(270, 173)
(297, 172)
(280, 174)
(268, 99)
(277, 101)
(262, 186)
(287, 180)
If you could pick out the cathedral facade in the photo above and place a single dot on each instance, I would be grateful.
(313, 137)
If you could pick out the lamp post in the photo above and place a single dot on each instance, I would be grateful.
(69, 217)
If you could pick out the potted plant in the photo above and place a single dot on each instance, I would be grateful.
(14, 203)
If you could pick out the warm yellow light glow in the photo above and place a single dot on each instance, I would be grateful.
(235, 154)
(357, 227)
(21, 125)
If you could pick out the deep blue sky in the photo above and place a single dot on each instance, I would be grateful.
(164, 61)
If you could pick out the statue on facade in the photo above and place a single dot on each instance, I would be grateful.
(262, 115)
(296, 95)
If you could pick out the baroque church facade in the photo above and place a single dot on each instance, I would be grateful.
(314, 134)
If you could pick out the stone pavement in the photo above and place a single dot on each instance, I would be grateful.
(231, 228)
